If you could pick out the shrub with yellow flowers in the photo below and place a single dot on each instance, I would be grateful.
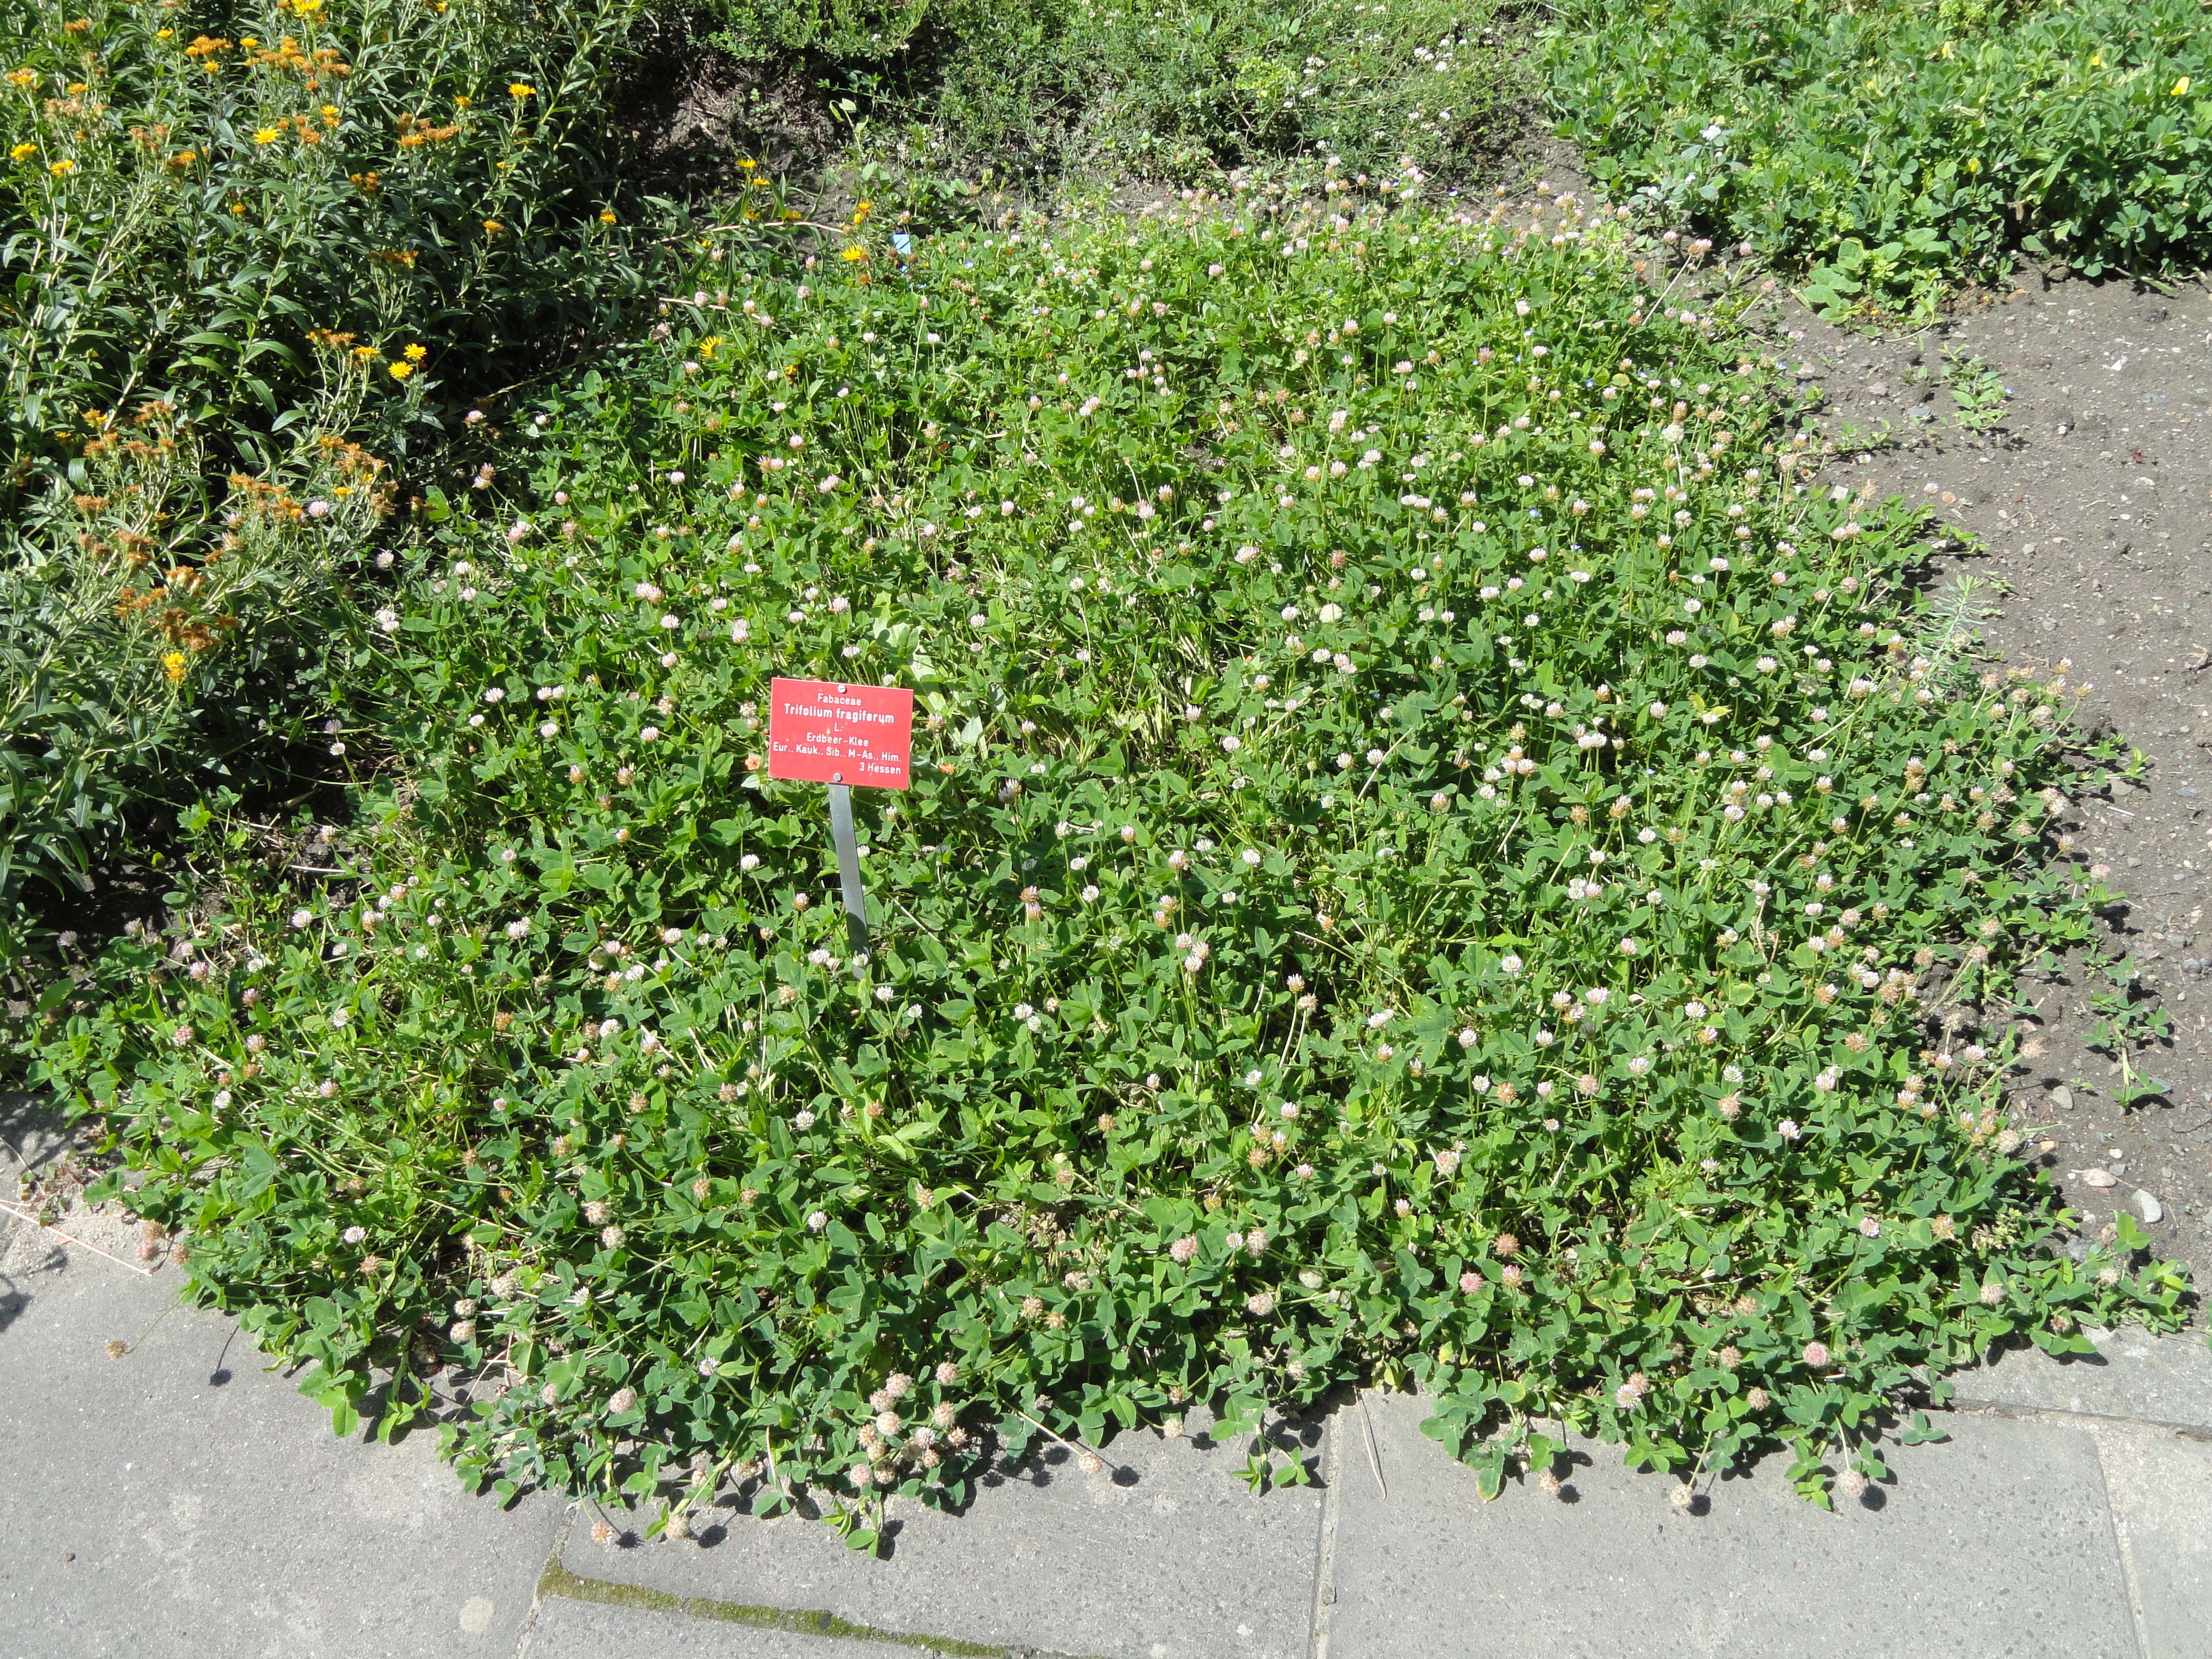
(193, 218)
(136, 666)
(219, 193)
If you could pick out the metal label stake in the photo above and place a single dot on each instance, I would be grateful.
(848, 867)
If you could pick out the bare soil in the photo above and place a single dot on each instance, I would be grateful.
(2086, 515)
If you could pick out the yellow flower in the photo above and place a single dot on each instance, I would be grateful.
(708, 346)
(862, 210)
(61, 169)
(518, 90)
(2096, 60)
(248, 41)
(76, 88)
(855, 254)
(401, 371)
(1974, 164)
(22, 152)
(265, 135)
(23, 77)
(606, 215)
(330, 115)
(173, 665)
(163, 34)
(748, 164)
(461, 103)
(238, 208)
(415, 354)
(2180, 88)
(492, 227)
(367, 353)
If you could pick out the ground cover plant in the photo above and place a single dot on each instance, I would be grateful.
(1440, 852)
(1892, 151)
(246, 243)
(1033, 94)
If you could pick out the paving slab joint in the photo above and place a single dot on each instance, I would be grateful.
(1324, 1600)
(537, 1590)
(2061, 1414)
(557, 1580)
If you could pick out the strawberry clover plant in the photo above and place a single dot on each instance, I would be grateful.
(1441, 852)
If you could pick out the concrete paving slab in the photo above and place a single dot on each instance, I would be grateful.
(1996, 1543)
(182, 1502)
(569, 1629)
(2161, 1491)
(2133, 1374)
(1181, 1562)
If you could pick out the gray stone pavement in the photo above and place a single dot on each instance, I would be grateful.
(184, 1502)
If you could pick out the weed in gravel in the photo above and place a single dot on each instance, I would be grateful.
(1978, 391)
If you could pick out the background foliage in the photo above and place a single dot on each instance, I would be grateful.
(1035, 92)
(1896, 149)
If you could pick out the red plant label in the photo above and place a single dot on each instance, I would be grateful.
(822, 732)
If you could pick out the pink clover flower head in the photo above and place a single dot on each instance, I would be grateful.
(1816, 1355)
(1469, 1282)
(1183, 1249)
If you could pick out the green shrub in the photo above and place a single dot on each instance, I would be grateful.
(1182, 92)
(1896, 149)
(1434, 855)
